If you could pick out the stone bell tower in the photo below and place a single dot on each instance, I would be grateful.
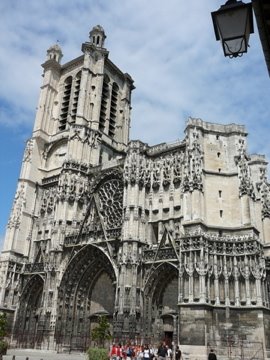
(82, 123)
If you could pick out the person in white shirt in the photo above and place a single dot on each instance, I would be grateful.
(169, 353)
(146, 352)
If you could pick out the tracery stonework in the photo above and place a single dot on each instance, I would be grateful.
(170, 241)
(18, 206)
(28, 150)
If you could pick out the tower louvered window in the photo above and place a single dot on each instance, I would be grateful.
(113, 110)
(65, 104)
(76, 96)
(104, 103)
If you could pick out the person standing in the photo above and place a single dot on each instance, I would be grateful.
(130, 352)
(169, 353)
(146, 353)
(212, 355)
(178, 353)
(162, 352)
(113, 353)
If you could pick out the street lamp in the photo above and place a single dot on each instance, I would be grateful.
(233, 23)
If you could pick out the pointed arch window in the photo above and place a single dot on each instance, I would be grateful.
(65, 103)
(113, 109)
(104, 103)
(76, 93)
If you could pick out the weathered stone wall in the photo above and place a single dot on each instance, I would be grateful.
(192, 325)
(266, 321)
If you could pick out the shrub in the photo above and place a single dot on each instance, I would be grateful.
(97, 354)
(3, 331)
(3, 325)
(3, 347)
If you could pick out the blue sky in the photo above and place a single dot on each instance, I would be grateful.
(169, 49)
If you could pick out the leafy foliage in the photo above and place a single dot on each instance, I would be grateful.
(3, 347)
(3, 325)
(102, 331)
(97, 354)
(3, 332)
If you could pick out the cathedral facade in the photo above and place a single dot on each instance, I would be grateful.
(168, 242)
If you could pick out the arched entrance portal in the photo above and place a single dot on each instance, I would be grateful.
(87, 290)
(161, 298)
(27, 330)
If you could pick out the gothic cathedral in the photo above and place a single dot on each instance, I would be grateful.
(170, 241)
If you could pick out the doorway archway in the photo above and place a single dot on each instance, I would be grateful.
(28, 332)
(87, 289)
(161, 304)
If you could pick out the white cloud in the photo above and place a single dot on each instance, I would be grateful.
(168, 47)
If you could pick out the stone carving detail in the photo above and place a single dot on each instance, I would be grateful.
(177, 168)
(85, 135)
(48, 200)
(142, 173)
(76, 166)
(202, 267)
(110, 194)
(246, 186)
(73, 187)
(248, 245)
(27, 157)
(18, 206)
(193, 164)
(265, 194)
(204, 260)
(166, 167)
(258, 270)
(104, 215)
(154, 173)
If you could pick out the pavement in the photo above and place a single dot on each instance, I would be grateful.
(22, 354)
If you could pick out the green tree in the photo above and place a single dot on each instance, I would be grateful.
(3, 332)
(3, 325)
(101, 332)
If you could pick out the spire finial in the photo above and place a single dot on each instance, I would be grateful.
(97, 36)
(54, 52)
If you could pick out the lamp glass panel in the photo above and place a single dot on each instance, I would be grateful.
(235, 46)
(232, 23)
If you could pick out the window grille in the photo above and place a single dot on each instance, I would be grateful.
(104, 103)
(65, 104)
(113, 109)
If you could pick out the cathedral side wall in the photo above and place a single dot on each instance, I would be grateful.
(219, 327)
(238, 323)
(267, 330)
(192, 325)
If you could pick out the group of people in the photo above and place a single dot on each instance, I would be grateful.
(146, 352)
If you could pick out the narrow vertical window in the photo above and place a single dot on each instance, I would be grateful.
(220, 213)
(113, 109)
(65, 104)
(104, 103)
(76, 92)
(219, 193)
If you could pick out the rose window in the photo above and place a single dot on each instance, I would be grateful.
(111, 203)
